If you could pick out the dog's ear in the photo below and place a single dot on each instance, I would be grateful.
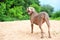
(27, 9)
(33, 10)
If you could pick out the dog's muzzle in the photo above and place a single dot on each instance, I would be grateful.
(29, 12)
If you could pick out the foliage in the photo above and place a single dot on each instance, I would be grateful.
(56, 14)
(16, 9)
(58, 18)
(2, 8)
(16, 12)
(49, 9)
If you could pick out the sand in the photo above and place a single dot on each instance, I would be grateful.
(21, 30)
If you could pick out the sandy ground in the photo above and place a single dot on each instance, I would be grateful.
(21, 30)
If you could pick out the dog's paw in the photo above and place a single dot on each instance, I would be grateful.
(31, 32)
(49, 37)
(42, 37)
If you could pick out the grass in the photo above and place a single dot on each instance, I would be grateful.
(58, 18)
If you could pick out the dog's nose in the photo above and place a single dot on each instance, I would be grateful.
(28, 11)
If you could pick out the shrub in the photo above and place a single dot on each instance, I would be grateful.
(16, 12)
(56, 14)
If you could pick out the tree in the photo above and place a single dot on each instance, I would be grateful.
(49, 9)
(16, 9)
(56, 14)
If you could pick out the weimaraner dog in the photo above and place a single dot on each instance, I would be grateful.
(38, 19)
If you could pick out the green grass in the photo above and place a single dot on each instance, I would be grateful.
(58, 18)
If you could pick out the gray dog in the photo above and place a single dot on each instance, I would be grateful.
(38, 19)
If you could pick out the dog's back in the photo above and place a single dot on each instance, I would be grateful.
(41, 16)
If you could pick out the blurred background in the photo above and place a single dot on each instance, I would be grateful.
(11, 10)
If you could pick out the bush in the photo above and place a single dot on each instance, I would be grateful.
(58, 18)
(16, 12)
(2, 8)
(47, 8)
(56, 14)
(6, 18)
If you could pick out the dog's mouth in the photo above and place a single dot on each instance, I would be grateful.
(30, 12)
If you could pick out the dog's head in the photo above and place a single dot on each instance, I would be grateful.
(30, 10)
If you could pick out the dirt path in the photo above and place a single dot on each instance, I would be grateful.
(20, 30)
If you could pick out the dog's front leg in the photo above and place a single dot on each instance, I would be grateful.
(31, 28)
(40, 23)
(41, 31)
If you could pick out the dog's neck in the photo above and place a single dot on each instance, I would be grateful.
(33, 14)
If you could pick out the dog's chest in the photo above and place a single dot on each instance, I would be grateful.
(36, 20)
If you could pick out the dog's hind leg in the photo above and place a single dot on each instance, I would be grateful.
(48, 24)
(40, 24)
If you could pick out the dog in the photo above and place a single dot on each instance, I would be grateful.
(38, 19)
